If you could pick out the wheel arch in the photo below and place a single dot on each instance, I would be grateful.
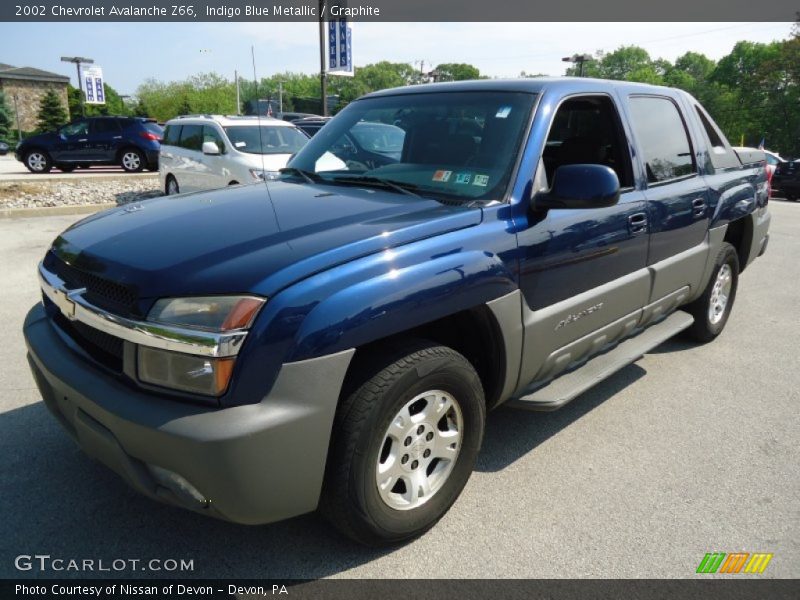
(739, 234)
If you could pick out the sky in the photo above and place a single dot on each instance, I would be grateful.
(133, 52)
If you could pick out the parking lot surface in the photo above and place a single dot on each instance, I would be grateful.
(13, 170)
(692, 449)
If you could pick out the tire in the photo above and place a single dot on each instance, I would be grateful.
(403, 390)
(38, 161)
(132, 160)
(65, 168)
(712, 309)
(171, 186)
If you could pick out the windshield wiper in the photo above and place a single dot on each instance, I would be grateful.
(309, 176)
(403, 188)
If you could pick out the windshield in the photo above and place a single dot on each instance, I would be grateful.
(271, 140)
(454, 145)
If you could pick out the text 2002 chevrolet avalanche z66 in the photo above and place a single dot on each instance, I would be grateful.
(335, 338)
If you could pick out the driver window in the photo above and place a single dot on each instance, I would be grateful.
(587, 130)
(76, 128)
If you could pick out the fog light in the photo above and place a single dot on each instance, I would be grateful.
(185, 372)
(178, 486)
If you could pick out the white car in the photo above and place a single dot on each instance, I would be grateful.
(203, 152)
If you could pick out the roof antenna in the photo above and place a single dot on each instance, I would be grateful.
(260, 132)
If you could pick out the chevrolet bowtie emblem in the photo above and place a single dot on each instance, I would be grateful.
(64, 300)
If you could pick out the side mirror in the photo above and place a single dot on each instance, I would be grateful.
(580, 186)
(210, 148)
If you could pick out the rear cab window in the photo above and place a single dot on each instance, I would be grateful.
(665, 146)
(720, 152)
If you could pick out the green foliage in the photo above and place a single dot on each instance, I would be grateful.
(457, 72)
(752, 93)
(51, 112)
(5, 118)
(114, 105)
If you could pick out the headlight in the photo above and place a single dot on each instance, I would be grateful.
(214, 313)
(187, 372)
(261, 174)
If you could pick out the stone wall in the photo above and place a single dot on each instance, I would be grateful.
(29, 97)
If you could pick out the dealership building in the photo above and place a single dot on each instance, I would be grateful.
(24, 88)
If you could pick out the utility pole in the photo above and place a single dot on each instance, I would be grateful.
(238, 94)
(280, 98)
(77, 60)
(323, 80)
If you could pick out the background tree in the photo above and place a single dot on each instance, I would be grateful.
(457, 72)
(114, 105)
(5, 117)
(51, 112)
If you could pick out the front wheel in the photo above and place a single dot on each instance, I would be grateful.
(38, 161)
(712, 309)
(132, 161)
(172, 186)
(405, 443)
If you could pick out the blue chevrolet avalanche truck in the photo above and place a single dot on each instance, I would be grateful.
(334, 339)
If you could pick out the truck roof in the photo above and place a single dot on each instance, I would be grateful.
(531, 84)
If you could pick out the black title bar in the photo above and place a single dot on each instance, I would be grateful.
(399, 10)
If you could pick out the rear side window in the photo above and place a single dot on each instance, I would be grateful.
(720, 151)
(172, 133)
(665, 146)
(191, 137)
(105, 126)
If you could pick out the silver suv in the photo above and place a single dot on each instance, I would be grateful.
(202, 152)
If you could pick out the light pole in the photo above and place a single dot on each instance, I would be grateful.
(323, 79)
(77, 60)
(578, 59)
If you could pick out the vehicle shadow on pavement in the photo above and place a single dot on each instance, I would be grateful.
(58, 502)
(512, 433)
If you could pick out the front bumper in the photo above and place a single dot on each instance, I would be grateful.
(250, 464)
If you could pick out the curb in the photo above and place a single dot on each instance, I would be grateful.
(49, 211)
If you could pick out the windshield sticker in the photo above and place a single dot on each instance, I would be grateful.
(240, 144)
(481, 180)
(463, 178)
(442, 176)
(503, 112)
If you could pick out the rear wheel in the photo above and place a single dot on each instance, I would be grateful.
(132, 160)
(38, 161)
(405, 444)
(712, 309)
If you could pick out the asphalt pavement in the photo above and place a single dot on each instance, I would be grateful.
(692, 449)
(13, 170)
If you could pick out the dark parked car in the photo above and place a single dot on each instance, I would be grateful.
(130, 142)
(3, 148)
(786, 180)
(311, 125)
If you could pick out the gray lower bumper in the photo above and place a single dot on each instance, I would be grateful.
(253, 464)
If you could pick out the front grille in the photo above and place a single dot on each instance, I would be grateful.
(115, 297)
(102, 347)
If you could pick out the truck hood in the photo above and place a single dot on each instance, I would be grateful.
(246, 239)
